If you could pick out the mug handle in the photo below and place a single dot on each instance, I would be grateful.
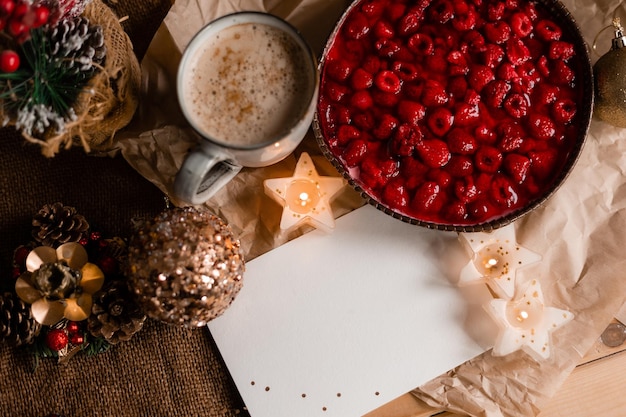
(202, 175)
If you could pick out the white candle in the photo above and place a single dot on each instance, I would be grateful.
(305, 196)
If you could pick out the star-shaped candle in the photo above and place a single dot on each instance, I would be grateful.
(305, 196)
(495, 259)
(526, 323)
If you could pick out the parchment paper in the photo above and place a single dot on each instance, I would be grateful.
(580, 231)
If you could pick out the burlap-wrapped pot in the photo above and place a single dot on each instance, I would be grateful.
(110, 99)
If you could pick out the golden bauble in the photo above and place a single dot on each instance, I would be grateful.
(610, 87)
(185, 267)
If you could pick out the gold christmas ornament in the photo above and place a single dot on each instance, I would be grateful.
(610, 80)
(185, 266)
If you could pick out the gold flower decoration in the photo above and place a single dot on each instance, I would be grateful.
(59, 283)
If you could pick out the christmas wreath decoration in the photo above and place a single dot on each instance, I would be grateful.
(70, 294)
(67, 73)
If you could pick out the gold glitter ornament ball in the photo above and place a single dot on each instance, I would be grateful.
(185, 266)
(610, 81)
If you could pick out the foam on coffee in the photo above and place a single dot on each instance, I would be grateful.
(249, 84)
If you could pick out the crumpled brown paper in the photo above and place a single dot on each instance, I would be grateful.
(580, 231)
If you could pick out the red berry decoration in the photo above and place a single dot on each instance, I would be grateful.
(9, 61)
(77, 339)
(57, 339)
(452, 112)
(72, 327)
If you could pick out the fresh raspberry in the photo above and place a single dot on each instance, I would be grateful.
(434, 94)
(516, 105)
(364, 121)
(389, 167)
(516, 51)
(411, 168)
(495, 92)
(543, 66)
(503, 192)
(387, 48)
(543, 163)
(516, 166)
(461, 142)
(561, 50)
(441, 11)
(488, 159)
(458, 58)
(563, 110)
(457, 86)
(531, 11)
(521, 24)
(493, 55)
(485, 135)
(506, 71)
(562, 74)
(481, 210)
(405, 139)
(356, 26)
(548, 30)
(361, 79)
(440, 176)
(413, 89)
(339, 69)
(546, 94)
(497, 32)
(460, 166)
(370, 173)
(466, 114)
(383, 29)
(346, 133)
(428, 198)
(433, 152)
(455, 211)
(354, 152)
(386, 126)
(512, 4)
(339, 115)
(473, 41)
(495, 11)
(410, 22)
(411, 112)
(511, 136)
(373, 9)
(387, 81)
(421, 44)
(465, 189)
(361, 100)
(335, 91)
(406, 71)
(395, 194)
(383, 99)
(472, 97)
(465, 21)
(479, 76)
(540, 126)
(440, 121)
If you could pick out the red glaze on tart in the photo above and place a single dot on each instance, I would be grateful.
(453, 112)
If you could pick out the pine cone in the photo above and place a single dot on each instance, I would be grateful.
(17, 325)
(78, 44)
(114, 315)
(56, 224)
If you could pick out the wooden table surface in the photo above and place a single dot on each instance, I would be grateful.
(595, 388)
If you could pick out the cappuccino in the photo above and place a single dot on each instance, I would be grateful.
(248, 85)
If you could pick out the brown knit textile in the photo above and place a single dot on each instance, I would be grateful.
(163, 370)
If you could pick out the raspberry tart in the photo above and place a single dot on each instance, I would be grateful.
(455, 114)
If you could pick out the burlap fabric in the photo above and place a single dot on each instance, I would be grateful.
(163, 370)
(108, 102)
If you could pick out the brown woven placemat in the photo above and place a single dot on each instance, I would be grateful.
(163, 370)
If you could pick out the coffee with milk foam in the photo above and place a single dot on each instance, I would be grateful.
(248, 85)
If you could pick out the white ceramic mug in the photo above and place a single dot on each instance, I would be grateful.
(248, 85)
